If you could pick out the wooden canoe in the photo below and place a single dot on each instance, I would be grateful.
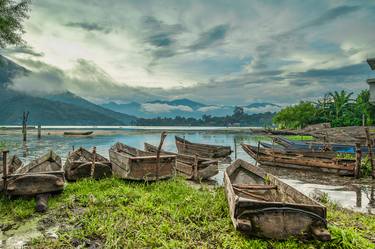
(192, 167)
(83, 163)
(43, 175)
(321, 161)
(261, 205)
(78, 133)
(131, 163)
(202, 150)
(313, 146)
(13, 164)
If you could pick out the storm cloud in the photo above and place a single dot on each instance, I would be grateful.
(237, 51)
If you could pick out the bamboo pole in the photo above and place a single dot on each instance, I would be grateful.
(235, 148)
(5, 168)
(358, 160)
(370, 156)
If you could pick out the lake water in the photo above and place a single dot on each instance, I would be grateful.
(353, 194)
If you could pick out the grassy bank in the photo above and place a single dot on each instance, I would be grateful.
(170, 214)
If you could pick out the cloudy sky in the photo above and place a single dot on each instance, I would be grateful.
(214, 51)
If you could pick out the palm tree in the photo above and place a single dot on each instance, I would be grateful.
(340, 101)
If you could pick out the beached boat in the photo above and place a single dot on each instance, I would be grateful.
(12, 165)
(131, 163)
(313, 146)
(192, 167)
(203, 150)
(43, 175)
(78, 133)
(83, 163)
(261, 205)
(322, 161)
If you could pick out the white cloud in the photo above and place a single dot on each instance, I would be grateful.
(208, 108)
(163, 108)
(263, 109)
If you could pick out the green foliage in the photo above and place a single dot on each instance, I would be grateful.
(12, 14)
(165, 214)
(296, 116)
(299, 137)
(239, 118)
(337, 108)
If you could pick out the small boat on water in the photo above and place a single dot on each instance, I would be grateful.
(202, 150)
(43, 175)
(322, 161)
(134, 164)
(312, 146)
(82, 163)
(78, 133)
(192, 167)
(261, 205)
(12, 165)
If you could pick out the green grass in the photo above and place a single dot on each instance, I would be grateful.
(299, 137)
(166, 214)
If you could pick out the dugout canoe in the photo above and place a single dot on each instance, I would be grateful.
(203, 150)
(134, 164)
(312, 146)
(43, 175)
(78, 133)
(261, 205)
(319, 161)
(82, 163)
(191, 167)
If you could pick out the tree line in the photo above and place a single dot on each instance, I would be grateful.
(238, 118)
(337, 108)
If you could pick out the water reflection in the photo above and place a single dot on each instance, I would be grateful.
(350, 193)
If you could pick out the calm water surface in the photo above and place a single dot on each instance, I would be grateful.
(355, 195)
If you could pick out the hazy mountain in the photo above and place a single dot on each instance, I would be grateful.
(61, 109)
(184, 108)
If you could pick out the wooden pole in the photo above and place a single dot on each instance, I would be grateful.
(358, 159)
(162, 137)
(25, 116)
(5, 168)
(195, 167)
(256, 162)
(235, 148)
(370, 156)
(39, 131)
(93, 161)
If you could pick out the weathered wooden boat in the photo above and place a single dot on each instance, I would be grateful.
(322, 161)
(192, 167)
(83, 163)
(78, 133)
(12, 165)
(203, 150)
(43, 175)
(134, 164)
(261, 205)
(312, 146)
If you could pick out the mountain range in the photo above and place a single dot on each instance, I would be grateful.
(60, 109)
(66, 108)
(184, 108)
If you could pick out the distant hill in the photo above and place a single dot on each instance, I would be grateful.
(60, 109)
(184, 108)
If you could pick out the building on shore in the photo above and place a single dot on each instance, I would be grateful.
(371, 81)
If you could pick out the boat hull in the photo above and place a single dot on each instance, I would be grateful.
(287, 213)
